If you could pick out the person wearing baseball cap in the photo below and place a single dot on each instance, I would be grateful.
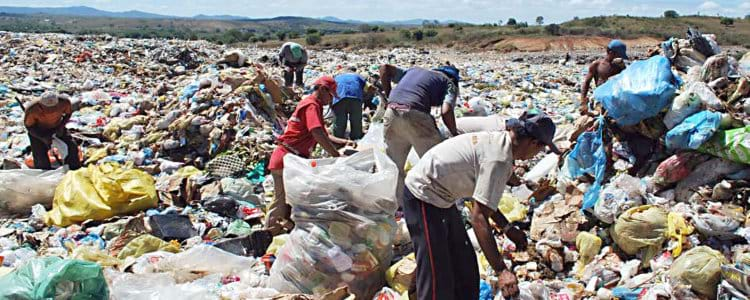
(408, 122)
(477, 166)
(304, 130)
(293, 58)
(44, 118)
(602, 69)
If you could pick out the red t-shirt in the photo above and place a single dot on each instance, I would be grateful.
(307, 116)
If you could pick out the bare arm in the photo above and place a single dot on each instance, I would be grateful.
(449, 118)
(587, 84)
(478, 219)
(386, 74)
(321, 137)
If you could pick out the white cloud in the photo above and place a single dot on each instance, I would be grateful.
(709, 5)
(744, 6)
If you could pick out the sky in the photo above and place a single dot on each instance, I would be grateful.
(475, 11)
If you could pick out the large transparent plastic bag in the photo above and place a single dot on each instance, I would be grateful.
(344, 226)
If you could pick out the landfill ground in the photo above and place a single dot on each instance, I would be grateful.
(649, 202)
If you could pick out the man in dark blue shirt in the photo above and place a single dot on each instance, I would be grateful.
(408, 122)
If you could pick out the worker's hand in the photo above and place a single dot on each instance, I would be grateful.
(507, 284)
(518, 237)
(352, 144)
(584, 110)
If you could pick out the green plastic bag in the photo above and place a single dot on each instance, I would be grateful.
(732, 144)
(55, 278)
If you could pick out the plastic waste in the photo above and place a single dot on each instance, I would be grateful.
(622, 193)
(99, 192)
(23, 188)
(731, 144)
(589, 157)
(705, 93)
(55, 278)
(678, 229)
(641, 230)
(640, 92)
(706, 172)
(146, 244)
(699, 267)
(512, 209)
(693, 131)
(402, 275)
(683, 106)
(677, 167)
(721, 227)
(588, 246)
(542, 168)
(344, 227)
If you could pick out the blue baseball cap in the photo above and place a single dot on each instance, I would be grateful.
(451, 71)
(619, 48)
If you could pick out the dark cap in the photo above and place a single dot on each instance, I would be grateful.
(539, 126)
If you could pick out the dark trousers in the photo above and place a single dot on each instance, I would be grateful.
(41, 159)
(297, 71)
(351, 110)
(446, 262)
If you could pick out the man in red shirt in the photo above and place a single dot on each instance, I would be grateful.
(304, 130)
(44, 118)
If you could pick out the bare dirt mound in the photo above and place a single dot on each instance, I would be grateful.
(566, 43)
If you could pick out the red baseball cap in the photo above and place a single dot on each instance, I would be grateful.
(328, 82)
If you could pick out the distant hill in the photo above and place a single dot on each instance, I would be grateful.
(82, 11)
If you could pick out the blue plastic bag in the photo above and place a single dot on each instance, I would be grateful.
(485, 291)
(589, 157)
(640, 92)
(624, 293)
(693, 131)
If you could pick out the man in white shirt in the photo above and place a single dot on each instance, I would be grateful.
(474, 165)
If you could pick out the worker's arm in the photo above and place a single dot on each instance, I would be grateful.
(507, 283)
(386, 75)
(513, 233)
(322, 138)
(480, 213)
(586, 86)
(448, 114)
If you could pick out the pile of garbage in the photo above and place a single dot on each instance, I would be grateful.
(650, 201)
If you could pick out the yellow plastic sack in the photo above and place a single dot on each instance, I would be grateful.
(187, 172)
(101, 192)
(588, 246)
(699, 267)
(93, 254)
(146, 244)
(512, 209)
(642, 228)
(95, 154)
(678, 229)
(402, 275)
(276, 244)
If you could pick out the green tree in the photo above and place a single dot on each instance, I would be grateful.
(511, 22)
(671, 14)
(405, 34)
(311, 30)
(313, 39)
(281, 35)
(552, 29)
(747, 17)
(418, 35)
(431, 33)
(727, 21)
(540, 20)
